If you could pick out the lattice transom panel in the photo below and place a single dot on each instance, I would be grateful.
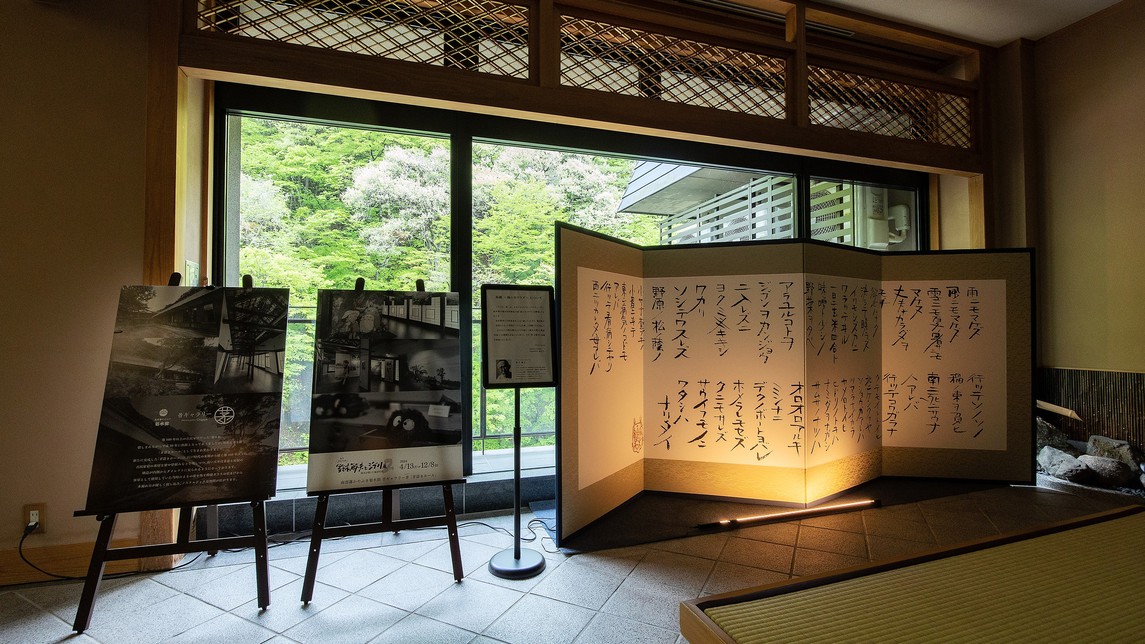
(622, 60)
(865, 104)
(480, 35)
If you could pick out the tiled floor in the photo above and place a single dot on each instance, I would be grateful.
(398, 588)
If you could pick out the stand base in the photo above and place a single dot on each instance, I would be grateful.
(506, 566)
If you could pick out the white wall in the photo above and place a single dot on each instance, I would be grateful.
(1090, 91)
(72, 101)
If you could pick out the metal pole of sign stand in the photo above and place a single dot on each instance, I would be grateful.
(513, 563)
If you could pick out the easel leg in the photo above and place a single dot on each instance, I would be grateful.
(212, 515)
(258, 508)
(387, 507)
(183, 535)
(315, 548)
(94, 574)
(451, 524)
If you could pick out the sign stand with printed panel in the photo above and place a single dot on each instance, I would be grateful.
(189, 419)
(386, 412)
(517, 349)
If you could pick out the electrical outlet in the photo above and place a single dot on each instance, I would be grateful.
(34, 513)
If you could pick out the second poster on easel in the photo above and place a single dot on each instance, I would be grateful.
(387, 401)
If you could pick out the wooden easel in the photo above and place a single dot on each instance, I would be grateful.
(321, 531)
(183, 544)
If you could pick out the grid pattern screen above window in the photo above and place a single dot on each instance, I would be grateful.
(866, 104)
(478, 35)
(621, 60)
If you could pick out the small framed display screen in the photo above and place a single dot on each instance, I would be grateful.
(517, 341)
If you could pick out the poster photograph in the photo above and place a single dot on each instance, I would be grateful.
(192, 401)
(387, 401)
(517, 336)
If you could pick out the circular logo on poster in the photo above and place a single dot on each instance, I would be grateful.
(224, 415)
(162, 413)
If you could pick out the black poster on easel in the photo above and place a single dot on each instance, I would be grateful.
(387, 402)
(191, 407)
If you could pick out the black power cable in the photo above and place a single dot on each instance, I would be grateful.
(31, 527)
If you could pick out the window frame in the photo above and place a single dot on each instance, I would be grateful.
(464, 128)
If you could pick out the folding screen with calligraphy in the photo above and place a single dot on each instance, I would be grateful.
(786, 372)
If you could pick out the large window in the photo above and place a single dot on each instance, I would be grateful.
(316, 191)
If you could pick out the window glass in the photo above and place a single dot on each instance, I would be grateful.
(865, 216)
(701, 205)
(518, 194)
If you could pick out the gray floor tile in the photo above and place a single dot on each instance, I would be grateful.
(21, 621)
(813, 562)
(473, 556)
(882, 548)
(961, 503)
(408, 551)
(288, 550)
(116, 596)
(845, 521)
(647, 604)
(189, 579)
(358, 570)
(837, 541)
(671, 569)
(727, 577)
(286, 609)
(423, 630)
(408, 587)
(611, 629)
(353, 620)
(902, 512)
(951, 533)
(297, 565)
(621, 595)
(891, 526)
(225, 628)
(758, 554)
(617, 563)
(360, 542)
(409, 536)
(240, 587)
(540, 619)
(471, 605)
(1013, 522)
(707, 546)
(582, 585)
(1054, 513)
(955, 527)
(781, 533)
(154, 623)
